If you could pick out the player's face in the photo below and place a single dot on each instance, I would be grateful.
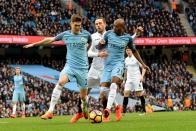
(129, 52)
(76, 27)
(17, 71)
(100, 25)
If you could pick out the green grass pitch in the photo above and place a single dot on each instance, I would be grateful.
(162, 121)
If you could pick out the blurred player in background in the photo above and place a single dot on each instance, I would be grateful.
(133, 79)
(76, 67)
(19, 93)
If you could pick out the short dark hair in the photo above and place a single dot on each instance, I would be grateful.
(101, 18)
(76, 18)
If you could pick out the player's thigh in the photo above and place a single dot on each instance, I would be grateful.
(128, 87)
(117, 72)
(81, 78)
(21, 96)
(66, 75)
(15, 97)
(138, 86)
(92, 83)
(93, 73)
(139, 89)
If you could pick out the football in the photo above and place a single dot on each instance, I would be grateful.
(95, 116)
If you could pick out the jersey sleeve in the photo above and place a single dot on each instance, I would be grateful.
(24, 80)
(59, 36)
(89, 39)
(126, 63)
(105, 37)
(91, 52)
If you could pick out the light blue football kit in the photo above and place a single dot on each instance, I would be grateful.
(115, 46)
(76, 67)
(19, 92)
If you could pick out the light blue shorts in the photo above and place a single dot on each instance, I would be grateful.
(76, 75)
(18, 96)
(111, 71)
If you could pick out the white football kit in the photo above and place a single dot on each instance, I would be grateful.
(95, 72)
(133, 74)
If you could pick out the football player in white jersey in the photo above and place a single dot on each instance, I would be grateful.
(134, 79)
(96, 69)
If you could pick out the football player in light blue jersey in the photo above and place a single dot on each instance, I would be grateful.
(115, 42)
(19, 93)
(76, 67)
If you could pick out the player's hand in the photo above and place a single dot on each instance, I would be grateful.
(102, 42)
(141, 79)
(103, 54)
(139, 30)
(147, 68)
(28, 46)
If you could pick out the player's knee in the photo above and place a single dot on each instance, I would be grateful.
(138, 93)
(113, 87)
(83, 93)
(126, 93)
(104, 92)
(63, 80)
(15, 103)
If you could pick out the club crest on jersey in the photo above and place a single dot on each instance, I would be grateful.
(83, 40)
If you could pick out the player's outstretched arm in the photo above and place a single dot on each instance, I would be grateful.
(42, 42)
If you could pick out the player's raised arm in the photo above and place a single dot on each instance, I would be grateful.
(143, 73)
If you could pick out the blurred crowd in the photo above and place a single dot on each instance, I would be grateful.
(47, 17)
(191, 14)
(157, 21)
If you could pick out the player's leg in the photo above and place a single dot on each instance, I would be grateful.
(22, 101)
(92, 81)
(116, 80)
(65, 76)
(81, 78)
(93, 78)
(15, 102)
(140, 93)
(104, 88)
(104, 91)
(126, 95)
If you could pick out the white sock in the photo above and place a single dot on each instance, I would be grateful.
(23, 108)
(14, 109)
(55, 97)
(112, 95)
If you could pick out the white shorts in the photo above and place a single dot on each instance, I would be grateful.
(133, 85)
(94, 76)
